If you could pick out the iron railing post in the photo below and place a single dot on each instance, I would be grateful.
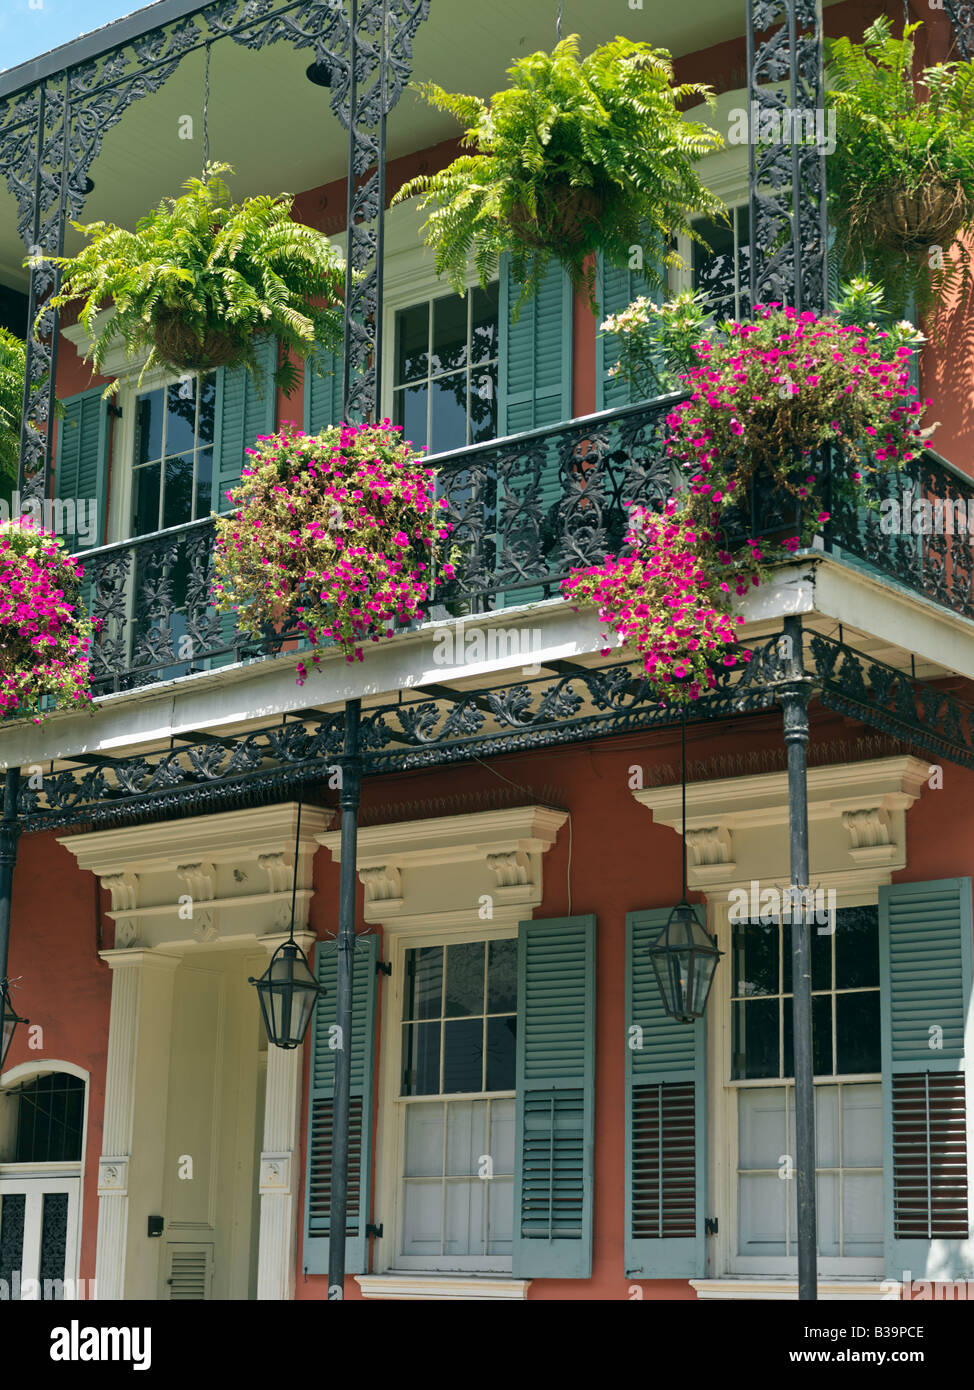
(9, 835)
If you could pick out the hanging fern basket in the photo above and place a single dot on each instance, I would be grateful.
(911, 221)
(566, 216)
(178, 343)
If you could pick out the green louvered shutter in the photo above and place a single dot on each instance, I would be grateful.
(534, 390)
(615, 290)
(321, 1089)
(82, 460)
(925, 1001)
(242, 413)
(555, 1099)
(666, 1123)
(323, 394)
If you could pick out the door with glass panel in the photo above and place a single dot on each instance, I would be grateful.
(172, 484)
(456, 1107)
(38, 1237)
(848, 1106)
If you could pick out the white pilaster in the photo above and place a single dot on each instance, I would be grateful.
(279, 1161)
(136, 1092)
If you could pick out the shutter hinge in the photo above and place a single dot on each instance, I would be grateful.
(373, 1230)
(710, 1225)
(383, 967)
(114, 410)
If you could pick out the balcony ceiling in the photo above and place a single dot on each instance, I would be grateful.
(278, 132)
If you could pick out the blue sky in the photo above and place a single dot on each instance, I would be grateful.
(31, 27)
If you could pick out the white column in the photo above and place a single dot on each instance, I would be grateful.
(130, 1170)
(279, 1160)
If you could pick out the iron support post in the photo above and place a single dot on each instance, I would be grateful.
(349, 800)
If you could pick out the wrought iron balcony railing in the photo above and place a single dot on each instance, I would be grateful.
(525, 510)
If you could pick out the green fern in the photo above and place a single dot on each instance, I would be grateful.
(890, 137)
(609, 123)
(247, 268)
(13, 355)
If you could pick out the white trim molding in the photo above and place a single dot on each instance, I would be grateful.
(737, 827)
(753, 1290)
(506, 847)
(451, 1288)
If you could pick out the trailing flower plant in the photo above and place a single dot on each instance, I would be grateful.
(576, 155)
(901, 178)
(335, 535)
(45, 634)
(201, 276)
(765, 398)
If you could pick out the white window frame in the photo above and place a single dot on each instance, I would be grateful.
(391, 1128)
(723, 1137)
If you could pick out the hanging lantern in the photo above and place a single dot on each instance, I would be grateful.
(684, 955)
(684, 958)
(9, 1026)
(288, 992)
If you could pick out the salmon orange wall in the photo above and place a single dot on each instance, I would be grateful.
(63, 988)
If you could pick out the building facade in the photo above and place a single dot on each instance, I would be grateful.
(525, 1120)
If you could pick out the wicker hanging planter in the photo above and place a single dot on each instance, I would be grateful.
(566, 216)
(178, 344)
(913, 221)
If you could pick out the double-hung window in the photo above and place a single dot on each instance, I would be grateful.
(456, 1106)
(848, 1106)
(172, 463)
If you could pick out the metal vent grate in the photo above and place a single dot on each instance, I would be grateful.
(190, 1268)
(930, 1156)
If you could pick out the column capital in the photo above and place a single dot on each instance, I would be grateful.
(159, 960)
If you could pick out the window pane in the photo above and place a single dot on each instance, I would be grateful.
(145, 499)
(424, 1141)
(449, 413)
(204, 482)
(181, 416)
(502, 1136)
(449, 334)
(755, 958)
(502, 976)
(423, 1218)
(421, 1059)
(821, 947)
(411, 415)
(756, 1038)
(862, 1214)
(464, 993)
(207, 411)
(465, 1234)
(466, 1137)
(862, 1126)
(412, 343)
(500, 1215)
(483, 404)
(148, 427)
(713, 268)
(485, 320)
(762, 1215)
(821, 1035)
(177, 499)
(501, 1045)
(857, 1039)
(463, 1055)
(424, 983)
(857, 948)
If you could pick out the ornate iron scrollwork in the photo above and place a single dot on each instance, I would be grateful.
(789, 226)
(961, 15)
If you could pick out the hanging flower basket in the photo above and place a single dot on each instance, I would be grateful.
(180, 344)
(566, 216)
(45, 634)
(336, 536)
(913, 220)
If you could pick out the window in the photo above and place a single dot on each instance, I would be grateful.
(172, 467)
(459, 1024)
(50, 1116)
(723, 269)
(445, 381)
(848, 1112)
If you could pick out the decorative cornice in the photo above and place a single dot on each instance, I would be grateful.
(442, 1288)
